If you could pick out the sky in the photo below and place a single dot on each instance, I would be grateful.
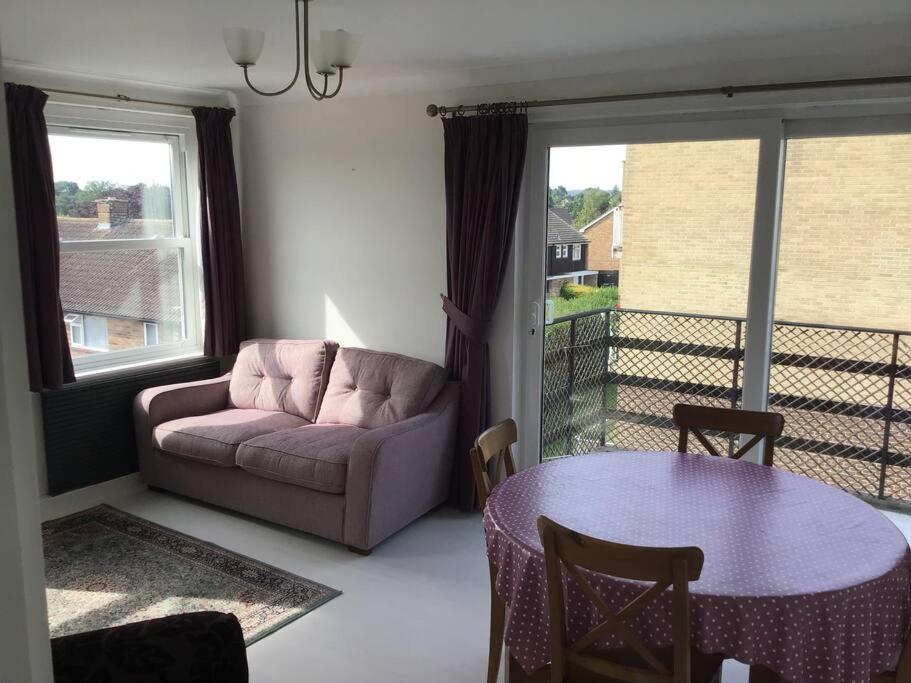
(120, 160)
(577, 168)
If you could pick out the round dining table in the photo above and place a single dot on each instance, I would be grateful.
(799, 577)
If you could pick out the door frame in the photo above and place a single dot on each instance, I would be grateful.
(772, 129)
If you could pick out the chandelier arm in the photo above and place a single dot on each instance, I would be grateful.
(297, 47)
(322, 94)
(314, 92)
(341, 72)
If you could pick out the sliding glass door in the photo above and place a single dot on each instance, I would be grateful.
(656, 254)
(841, 346)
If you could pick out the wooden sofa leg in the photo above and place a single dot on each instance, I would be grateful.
(358, 551)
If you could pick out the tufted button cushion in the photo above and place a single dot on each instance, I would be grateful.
(281, 375)
(371, 389)
(214, 438)
(314, 456)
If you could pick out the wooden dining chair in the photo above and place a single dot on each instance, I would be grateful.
(695, 419)
(663, 568)
(494, 444)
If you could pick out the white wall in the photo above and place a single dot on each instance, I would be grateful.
(344, 226)
(344, 229)
(24, 645)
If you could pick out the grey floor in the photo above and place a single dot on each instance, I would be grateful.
(415, 610)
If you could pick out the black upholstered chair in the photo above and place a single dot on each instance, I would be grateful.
(202, 647)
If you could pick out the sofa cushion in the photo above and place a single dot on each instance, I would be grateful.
(289, 376)
(370, 389)
(214, 438)
(314, 456)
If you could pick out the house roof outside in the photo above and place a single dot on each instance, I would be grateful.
(142, 284)
(73, 229)
(560, 231)
(563, 213)
(600, 218)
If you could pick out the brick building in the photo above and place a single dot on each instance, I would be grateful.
(123, 299)
(845, 235)
(605, 245)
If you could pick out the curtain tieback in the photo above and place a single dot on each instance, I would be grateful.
(473, 330)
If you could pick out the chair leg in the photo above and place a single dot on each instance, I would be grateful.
(497, 628)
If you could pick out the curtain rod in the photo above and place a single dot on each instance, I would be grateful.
(119, 98)
(726, 91)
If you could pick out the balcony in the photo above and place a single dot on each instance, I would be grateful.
(612, 376)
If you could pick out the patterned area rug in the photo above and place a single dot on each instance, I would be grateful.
(106, 567)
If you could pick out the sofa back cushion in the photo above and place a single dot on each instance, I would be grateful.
(284, 375)
(369, 389)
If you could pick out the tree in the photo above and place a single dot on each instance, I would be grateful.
(156, 201)
(557, 196)
(65, 191)
(84, 200)
(591, 203)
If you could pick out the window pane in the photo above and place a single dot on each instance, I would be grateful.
(112, 188)
(666, 232)
(843, 265)
(116, 292)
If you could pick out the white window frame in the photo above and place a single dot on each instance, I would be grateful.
(773, 126)
(77, 321)
(178, 131)
(577, 252)
(146, 326)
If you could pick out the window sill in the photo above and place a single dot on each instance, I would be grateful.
(137, 365)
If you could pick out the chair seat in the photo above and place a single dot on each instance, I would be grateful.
(704, 668)
(314, 456)
(214, 438)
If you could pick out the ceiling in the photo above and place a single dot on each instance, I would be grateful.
(414, 45)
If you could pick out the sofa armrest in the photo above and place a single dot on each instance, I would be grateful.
(171, 401)
(398, 472)
(156, 405)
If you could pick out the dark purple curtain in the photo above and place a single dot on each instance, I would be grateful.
(49, 362)
(222, 251)
(485, 157)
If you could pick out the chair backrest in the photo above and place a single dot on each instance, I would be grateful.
(695, 419)
(663, 568)
(494, 443)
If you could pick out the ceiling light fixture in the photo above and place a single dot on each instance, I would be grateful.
(332, 54)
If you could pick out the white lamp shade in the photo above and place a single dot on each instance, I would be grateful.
(318, 56)
(340, 48)
(244, 45)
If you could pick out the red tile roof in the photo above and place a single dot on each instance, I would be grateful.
(143, 284)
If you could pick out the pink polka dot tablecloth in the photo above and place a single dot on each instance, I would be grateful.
(800, 577)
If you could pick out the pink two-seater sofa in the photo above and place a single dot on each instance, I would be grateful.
(348, 444)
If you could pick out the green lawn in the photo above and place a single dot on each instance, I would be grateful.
(584, 299)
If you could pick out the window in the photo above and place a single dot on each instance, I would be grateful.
(565, 251)
(129, 284)
(151, 333)
(577, 252)
(75, 329)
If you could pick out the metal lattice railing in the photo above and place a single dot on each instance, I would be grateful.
(612, 377)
